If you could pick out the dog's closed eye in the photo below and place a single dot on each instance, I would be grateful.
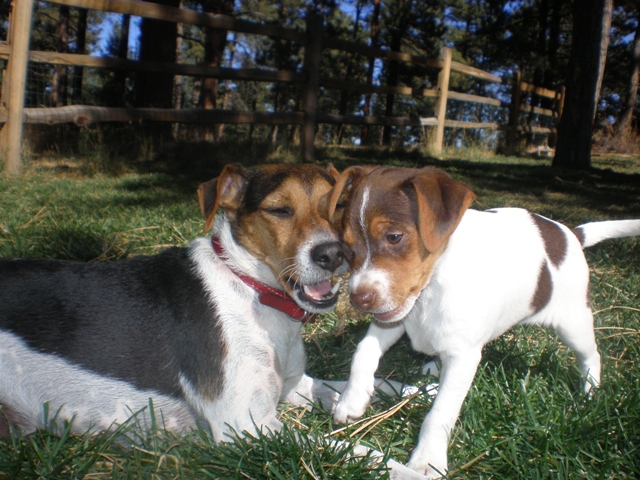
(280, 212)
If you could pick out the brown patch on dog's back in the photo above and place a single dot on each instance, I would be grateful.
(544, 288)
(555, 241)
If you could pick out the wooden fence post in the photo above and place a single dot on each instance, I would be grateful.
(4, 94)
(17, 74)
(514, 109)
(312, 51)
(441, 102)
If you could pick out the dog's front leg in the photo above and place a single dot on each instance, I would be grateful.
(355, 399)
(430, 455)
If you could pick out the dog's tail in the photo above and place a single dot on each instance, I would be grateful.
(591, 233)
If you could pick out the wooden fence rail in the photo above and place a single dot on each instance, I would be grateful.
(16, 51)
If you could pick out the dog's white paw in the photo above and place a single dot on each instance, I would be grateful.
(352, 404)
(427, 473)
(398, 471)
(432, 465)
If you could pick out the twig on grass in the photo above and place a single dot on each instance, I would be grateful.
(371, 422)
(180, 236)
(37, 216)
(306, 467)
(163, 455)
(616, 307)
(622, 331)
(466, 465)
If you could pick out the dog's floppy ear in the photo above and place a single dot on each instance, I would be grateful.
(441, 202)
(342, 188)
(224, 191)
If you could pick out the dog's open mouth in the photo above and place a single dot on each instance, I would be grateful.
(322, 295)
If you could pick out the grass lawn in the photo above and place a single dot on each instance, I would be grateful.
(525, 416)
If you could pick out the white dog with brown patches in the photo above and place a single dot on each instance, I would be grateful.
(454, 279)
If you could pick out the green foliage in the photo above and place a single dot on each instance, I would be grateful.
(525, 416)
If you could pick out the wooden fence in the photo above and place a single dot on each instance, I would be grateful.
(14, 115)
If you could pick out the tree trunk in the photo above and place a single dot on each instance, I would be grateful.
(215, 40)
(625, 125)
(81, 40)
(122, 53)
(392, 80)
(157, 44)
(591, 26)
(555, 33)
(344, 95)
(178, 81)
(59, 81)
(227, 87)
(364, 133)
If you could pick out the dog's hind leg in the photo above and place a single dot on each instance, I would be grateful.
(577, 333)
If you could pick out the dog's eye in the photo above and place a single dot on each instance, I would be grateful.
(281, 212)
(394, 238)
(341, 205)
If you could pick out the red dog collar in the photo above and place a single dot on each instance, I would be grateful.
(267, 295)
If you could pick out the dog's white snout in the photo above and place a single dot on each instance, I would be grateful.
(369, 289)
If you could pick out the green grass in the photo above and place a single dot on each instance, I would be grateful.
(525, 416)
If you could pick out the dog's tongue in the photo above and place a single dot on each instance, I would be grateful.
(318, 290)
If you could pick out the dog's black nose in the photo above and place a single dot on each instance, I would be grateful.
(329, 256)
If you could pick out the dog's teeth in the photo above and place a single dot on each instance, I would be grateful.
(336, 287)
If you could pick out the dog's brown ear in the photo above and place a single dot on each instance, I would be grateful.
(224, 191)
(342, 189)
(441, 202)
(331, 170)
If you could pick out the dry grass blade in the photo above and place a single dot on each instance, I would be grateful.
(616, 307)
(306, 467)
(37, 216)
(466, 466)
(371, 422)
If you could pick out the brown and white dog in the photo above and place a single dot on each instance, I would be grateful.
(210, 333)
(454, 279)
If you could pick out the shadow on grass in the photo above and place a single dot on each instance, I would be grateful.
(498, 181)
(80, 245)
(603, 190)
